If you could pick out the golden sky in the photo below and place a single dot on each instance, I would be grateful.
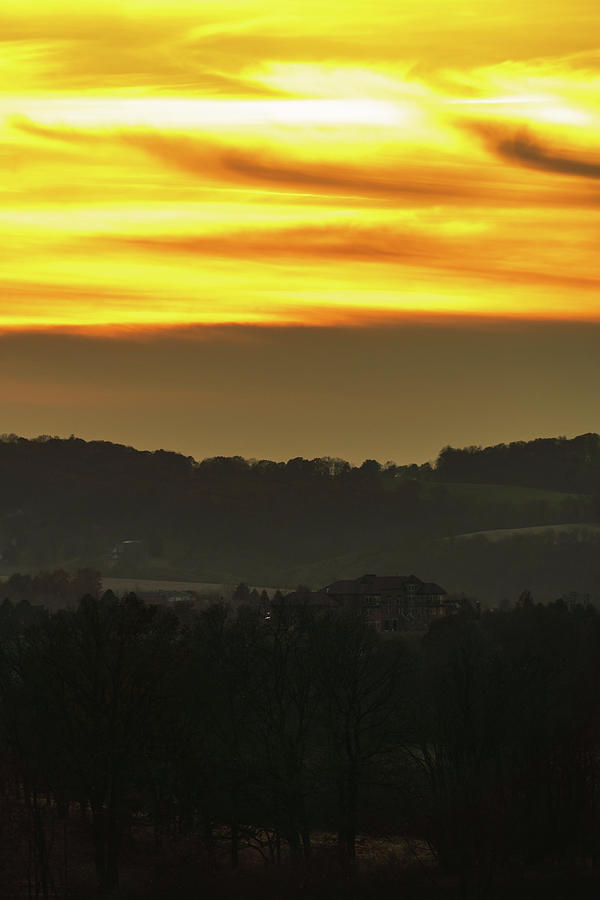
(172, 163)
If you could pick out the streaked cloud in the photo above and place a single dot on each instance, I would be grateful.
(180, 163)
(525, 150)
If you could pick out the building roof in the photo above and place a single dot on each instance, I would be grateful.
(430, 587)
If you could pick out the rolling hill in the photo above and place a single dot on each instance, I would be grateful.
(137, 514)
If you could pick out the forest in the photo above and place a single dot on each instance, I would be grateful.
(73, 505)
(297, 753)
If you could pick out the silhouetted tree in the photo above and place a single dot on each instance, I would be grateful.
(360, 707)
(104, 669)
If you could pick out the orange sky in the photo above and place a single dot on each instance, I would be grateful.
(409, 191)
(307, 162)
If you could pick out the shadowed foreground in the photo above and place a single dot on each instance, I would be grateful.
(297, 754)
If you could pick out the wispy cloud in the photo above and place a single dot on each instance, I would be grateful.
(352, 161)
(527, 151)
(380, 177)
(397, 247)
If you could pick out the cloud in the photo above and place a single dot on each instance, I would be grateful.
(63, 134)
(528, 151)
(388, 178)
(383, 179)
(332, 241)
(472, 256)
(205, 158)
(212, 160)
(107, 47)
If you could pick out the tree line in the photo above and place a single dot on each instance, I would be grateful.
(256, 731)
(558, 463)
(561, 463)
(72, 504)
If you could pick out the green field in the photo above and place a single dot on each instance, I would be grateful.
(585, 529)
(501, 493)
(143, 585)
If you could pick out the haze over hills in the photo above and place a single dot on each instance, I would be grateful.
(71, 503)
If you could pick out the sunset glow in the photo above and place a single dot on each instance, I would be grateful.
(178, 163)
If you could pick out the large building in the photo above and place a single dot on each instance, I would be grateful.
(391, 602)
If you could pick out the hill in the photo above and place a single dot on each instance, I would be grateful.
(552, 463)
(161, 515)
(582, 531)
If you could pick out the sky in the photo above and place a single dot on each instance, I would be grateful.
(313, 228)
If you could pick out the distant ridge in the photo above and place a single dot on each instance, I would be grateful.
(161, 515)
(558, 463)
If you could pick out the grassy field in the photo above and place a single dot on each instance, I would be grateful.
(502, 493)
(151, 585)
(500, 534)
(144, 585)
